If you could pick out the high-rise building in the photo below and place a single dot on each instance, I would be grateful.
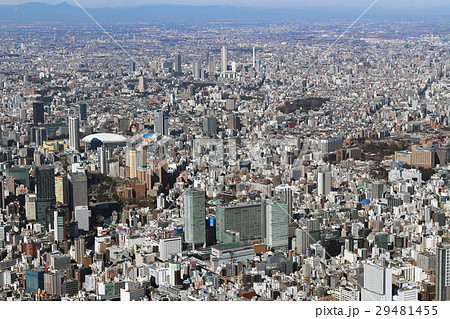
(34, 280)
(30, 206)
(60, 224)
(45, 182)
(377, 283)
(38, 112)
(443, 273)
(244, 220)
(224, 61)
(78, 190)
(132, 159)
(62, 189)
(52, 283)
(196, 70)
(177, 64)
(80, 249)
(102, 160)
(2, 194)
(211, 66)
(74, 133)
(210, 125)
(377, 190)
(301, 240)
(234, 122)
(142, 84)
(277, 223)
(254, 57)
(82, 217)
(194, 216)
(323, 183)
(132, 67)
(83, 111)
(284, 193)
(161, 123)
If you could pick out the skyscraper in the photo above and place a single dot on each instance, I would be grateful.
(324, 183)
(132, 67)
(211, 66)
(277, 224)
(102, 160)
(45, 182)
(161, 123)
(224, 61)
(177, 64)
(254, 57)
(210, 125)
(38, 112)
(62, 189)
(2, 194)
(59, 225)
(377, 283)
(443, 273)
(246, 219)
(80, 249)
(78, 190)
(83, 111)
(196, 70)
(74, 133)
(194, 216)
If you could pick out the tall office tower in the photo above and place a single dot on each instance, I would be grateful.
(234, 122)
(52, 283)
(324, 183)
(196, 70)
(211, 66)
(74, 133)
(34, 280)
(161, 123)
(443, 273)
(177, 64)
(78, 190)
(133, 163)
(62, 189)
(41, 135)
(132, 67)
(141, 156)
(83, 111)
(377, 283)
(254, 57)
(224, 61)
(80, 249)
(38, 112)
(59, 225)
(45, 182)
(301, 240)
(142, 84)
(194, 216)
(377, 190)
(82, 217)
(2, 194)
(277, 224)
(210, 125)
(284, 193)
(102, 160)
(245, 220)
(30, 206)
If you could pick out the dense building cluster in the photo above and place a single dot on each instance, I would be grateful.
(225, 162)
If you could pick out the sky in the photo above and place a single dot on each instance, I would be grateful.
(250, 3)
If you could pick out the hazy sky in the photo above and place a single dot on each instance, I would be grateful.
(264, 3)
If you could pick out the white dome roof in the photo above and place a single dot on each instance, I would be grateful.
(105, 138)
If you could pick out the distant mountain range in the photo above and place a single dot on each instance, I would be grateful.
(35, 12)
